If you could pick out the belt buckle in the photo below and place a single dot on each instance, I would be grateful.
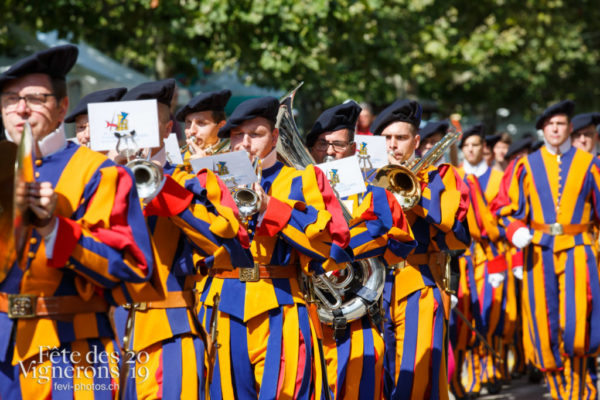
(21, 306)
(249, 274)
(143, 306)
(556, 229)
(398, 266)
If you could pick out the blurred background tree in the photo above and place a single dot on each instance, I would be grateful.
(454, 56)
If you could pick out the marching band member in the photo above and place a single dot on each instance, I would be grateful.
(267, 343)
(484, 264)
(86, 242)
(417, 305)
(79, 115)
(378, 228)
(203, 116)
(191, 215)
(585, 134)
(551, 205)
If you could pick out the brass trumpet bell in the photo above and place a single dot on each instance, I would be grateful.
(402, 182)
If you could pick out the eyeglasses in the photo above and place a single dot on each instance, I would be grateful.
(10, 100)
(323, 145)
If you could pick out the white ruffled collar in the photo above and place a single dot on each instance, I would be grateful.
(563, 148)
(51, 143)
(476, 170)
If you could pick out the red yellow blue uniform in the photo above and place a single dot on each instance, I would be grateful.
(101, 251)
(415, 303)
(193, 227)
(486, 255)
(267, 343)
(355, 358)
(561, 288)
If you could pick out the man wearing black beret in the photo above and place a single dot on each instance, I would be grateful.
(262, 315)
(79, 115)
(190, 222)
(585, 133)
(379, 228)
(418, 288)
(550, 210)
(332, 134)
(203, 116)
(431, 134)
(85, 246)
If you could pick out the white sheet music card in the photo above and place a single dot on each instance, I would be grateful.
(172, 149)
(139, 116)
(371, 149)
(344, 176)
(234, 168)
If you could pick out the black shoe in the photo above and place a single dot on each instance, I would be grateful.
(494, 387)
(535, 375)
(515, 375)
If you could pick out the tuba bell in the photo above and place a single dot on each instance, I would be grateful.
(357, 289)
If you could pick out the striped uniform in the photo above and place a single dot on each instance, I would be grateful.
(561, 288)
(267, 340)
(192, 227)
(486, 255)
(416, 309)
(355, 359)
(98, 247)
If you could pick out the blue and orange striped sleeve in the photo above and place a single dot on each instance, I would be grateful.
(106, 240)
(202, 207)
(379, 227)
(511, 204)
(444, 204)
(310, 219)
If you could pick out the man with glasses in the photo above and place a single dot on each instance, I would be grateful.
(354, 351)
(86, 246)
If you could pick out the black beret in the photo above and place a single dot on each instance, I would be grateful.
(401, 110)
(581, 121)
(162, 91)
(475, 130)
(265, 107)
(434, 127)
(342, 116)
(491, 140)
(211, 101)
(55, 62)
(519, 145)
(101, 96)
(563, 107)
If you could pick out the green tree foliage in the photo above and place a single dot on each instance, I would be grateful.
(465, 56)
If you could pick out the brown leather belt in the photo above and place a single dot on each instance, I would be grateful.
(258, 272)
(181, 299)
(32, 306)
(436, 258)
(556, 229)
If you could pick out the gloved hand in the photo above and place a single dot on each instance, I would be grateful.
(453, 300)
(521, 238)
(495, 279)
(518, 272)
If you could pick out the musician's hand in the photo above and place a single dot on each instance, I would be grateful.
(116, 157)
(196, 151)
(21, 192)
(42, 199)
(263, 198)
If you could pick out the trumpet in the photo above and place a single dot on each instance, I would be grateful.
(245, 198)
(219, 147)
(402, 180)
(147, 175)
